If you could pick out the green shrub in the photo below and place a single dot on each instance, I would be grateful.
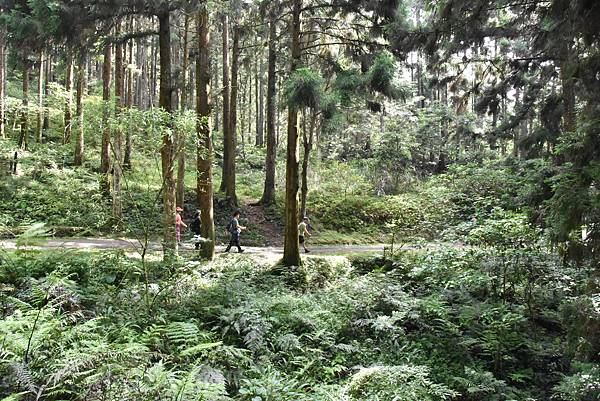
(403, 382)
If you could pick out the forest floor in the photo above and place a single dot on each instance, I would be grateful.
(271, 232)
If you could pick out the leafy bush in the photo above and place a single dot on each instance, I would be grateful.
(404, 382)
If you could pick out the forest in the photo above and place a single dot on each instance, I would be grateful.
(414, 186)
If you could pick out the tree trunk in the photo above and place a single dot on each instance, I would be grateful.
(117, 143)
(105, 146)
(291, 249)
(47, 76)
(225, 107)
(235, 64)
(261, 102)
(23, 139)
(128, 135)
(184, 99)
(68, 126)
(79, 144)
(2, 79)
(40, 93)
(268, 197)
(257, 106)
(167, 151)
(228, 137)
(307, 140)
(205, 147)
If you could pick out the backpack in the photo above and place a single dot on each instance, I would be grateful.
(230, 227)
(195, 226)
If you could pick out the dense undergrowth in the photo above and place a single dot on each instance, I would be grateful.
(68, 200)
(496, 321)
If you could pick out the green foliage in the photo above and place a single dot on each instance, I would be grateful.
(381, 74)
(304, 88)
(404, 382)
(583, 385)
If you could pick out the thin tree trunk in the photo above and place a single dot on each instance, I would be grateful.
(2, 79)
(184, 99)
(117, 143)
(228, 177)
(128, 136)
(106, 134)
(307, 140)
(256, 102)
(167, 151)
(268, 197)
(205, 147)
(235, 64)
(23, 139)
(291, 249)
(68, 126)
(47, 76)
(79, 144)
(226, 103)
(40, 92)
(261, 102)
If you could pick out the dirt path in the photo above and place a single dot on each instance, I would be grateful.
(132, 244)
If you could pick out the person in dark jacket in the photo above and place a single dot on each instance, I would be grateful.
(195, 227)
(234, 228)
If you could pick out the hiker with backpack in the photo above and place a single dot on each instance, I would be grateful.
(195, 228)
(234, 229)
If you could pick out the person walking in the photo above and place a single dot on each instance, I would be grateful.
(179, 223)
(195, 228)
(234, 228)
(303, 232)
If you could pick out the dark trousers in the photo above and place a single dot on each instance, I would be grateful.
(235, 240)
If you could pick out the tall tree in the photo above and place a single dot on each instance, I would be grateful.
(228, 176)
(235, 64)
(23, 138)
(291, 248)
(167, 150)
(117, 140)
(40, 98)
(106, 134)
(68, 117)
(2, 73)
(268, 196)
(80, 89)
(184, 101)
(203, 130)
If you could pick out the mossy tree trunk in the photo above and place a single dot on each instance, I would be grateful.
(291, 248)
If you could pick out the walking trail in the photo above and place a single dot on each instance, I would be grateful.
(133, 244)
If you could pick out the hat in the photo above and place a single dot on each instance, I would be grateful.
(178, 209)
